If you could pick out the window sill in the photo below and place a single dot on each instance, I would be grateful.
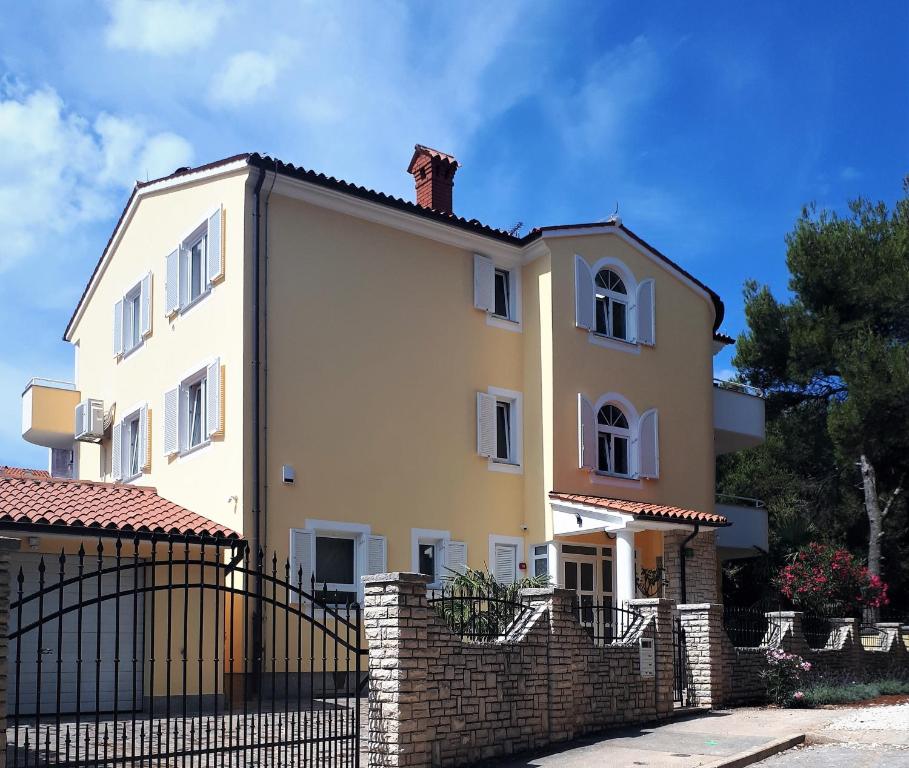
(505, 323)
(194, 449)
(610, 342)
(130, 478)
(509, 467)
(621, 481)
(129, 352)
(190, 304)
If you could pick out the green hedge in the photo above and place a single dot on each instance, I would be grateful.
(850, 693)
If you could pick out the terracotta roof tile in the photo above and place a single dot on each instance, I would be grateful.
(22, 472)
(643, 509)
(109, 506)
(725, 338)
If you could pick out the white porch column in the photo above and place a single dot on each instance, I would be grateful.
(624, 566)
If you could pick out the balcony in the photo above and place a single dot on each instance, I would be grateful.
(738, 416)
(48, 413)
(747, 535)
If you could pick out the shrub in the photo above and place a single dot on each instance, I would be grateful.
(849, 693)
(784, 675)
(821, 577)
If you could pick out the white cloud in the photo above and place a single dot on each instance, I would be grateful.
(247, 77)
(163, 26)
(59, 172)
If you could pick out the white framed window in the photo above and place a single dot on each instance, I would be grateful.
(130, 455)
(540, 560)
(435, 554)
(500, 429)
(195, 265)
(132, 317)
(497, 292)
(506, 553)
(615, 309)
(615, 442)
(329, 557)
(194, 411)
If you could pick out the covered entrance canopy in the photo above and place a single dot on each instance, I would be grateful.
(578, 514)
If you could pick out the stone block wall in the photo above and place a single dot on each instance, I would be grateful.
(720, 674)
(700, 569)
(435, 700)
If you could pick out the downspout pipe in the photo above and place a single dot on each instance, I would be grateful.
(682, 574)
(256, 446)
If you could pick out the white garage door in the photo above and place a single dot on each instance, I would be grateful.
(127, 680)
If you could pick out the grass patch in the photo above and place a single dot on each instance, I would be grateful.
(849, 693)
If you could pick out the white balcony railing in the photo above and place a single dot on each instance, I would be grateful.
(738, 416)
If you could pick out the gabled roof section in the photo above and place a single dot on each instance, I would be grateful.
(643, 510)
(23, 472)
(113, 507)
(267, 163)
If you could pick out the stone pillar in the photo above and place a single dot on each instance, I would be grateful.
(891, 630)
(791, 635)
(705, 652)
(396, 620)
(7, 545)
(624, 566)
(563, 657)
(661, 610)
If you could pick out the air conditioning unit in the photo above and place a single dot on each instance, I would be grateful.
(90, 421)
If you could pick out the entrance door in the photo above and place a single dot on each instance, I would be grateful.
(579, 571)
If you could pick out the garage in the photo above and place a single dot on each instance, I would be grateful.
(116, 680)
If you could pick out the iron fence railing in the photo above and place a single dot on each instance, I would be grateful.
(872, 637)
(607, 623)
(750, 628)
(479, 614)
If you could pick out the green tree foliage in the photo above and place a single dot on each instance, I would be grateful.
(833, 358)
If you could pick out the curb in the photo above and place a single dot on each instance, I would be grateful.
(755, 754)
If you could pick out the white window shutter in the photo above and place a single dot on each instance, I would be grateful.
(183, 277)
(302, 550)
(214, 247)
(649, 442)
(115, 468)
(583, 294)
(455, 558)
(171, 406)
(587, 434)
(376, 549)
(486, 424)
(118, 328)
(213, 390)
(646, 333)
(172, 283)
(505, 568)
(484, 282)
(143, 438)
(145, 304)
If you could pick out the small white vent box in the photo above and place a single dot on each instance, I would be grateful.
(90, 421)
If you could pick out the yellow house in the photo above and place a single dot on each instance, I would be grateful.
(362, 384)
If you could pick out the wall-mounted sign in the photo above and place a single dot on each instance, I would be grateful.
(648, 661)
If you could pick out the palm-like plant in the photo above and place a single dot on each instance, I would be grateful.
(478, 607)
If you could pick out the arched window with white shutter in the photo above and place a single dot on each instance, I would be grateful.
(615, 441)
(615, 308)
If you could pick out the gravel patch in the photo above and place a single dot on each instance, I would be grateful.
(874, 719)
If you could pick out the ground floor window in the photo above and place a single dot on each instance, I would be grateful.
(336, 569)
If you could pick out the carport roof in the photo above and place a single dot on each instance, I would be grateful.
(642, 509)
(28, 498)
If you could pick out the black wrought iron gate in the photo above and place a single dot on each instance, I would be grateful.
(179, 651)
(679, 663)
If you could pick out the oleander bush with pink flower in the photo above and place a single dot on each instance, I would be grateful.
(784, 676)
(821, 577)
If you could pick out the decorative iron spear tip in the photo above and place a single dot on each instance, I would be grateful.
(81, 551)
(119, 545)
(100, 546)
(41, 566)
(20, 578)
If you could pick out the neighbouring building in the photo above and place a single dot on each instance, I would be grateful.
(367, 384)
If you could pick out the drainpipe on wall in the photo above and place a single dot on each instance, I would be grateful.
(256, 469)
(682, 546)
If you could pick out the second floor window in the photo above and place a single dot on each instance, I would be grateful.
(195, 266)
(613, 437)
(502, 294)
(194, 411)
(499, 428)
(132, 317)
(611, 305)
(196, 270)
(503, 430)
(129, 445)
(133, 450)
(195, 404)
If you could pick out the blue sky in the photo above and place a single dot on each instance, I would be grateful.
(710, 124)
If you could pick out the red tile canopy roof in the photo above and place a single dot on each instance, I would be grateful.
(642, 509)
(22, 472)
(28, 499)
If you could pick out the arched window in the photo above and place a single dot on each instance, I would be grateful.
(613, 438)
(611, 297)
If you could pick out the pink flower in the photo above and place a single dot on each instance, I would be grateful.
(798, 695)
(806, 666)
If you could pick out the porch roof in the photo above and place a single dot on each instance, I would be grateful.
(642, 509)
(32, 499)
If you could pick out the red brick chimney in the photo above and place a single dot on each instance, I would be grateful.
(433, 176)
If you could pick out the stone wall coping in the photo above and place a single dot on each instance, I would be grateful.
(888, 625)
(699, 606)
(649, 602)
(546, 592)
(785, 614)
(393, 576)
(10, 544)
